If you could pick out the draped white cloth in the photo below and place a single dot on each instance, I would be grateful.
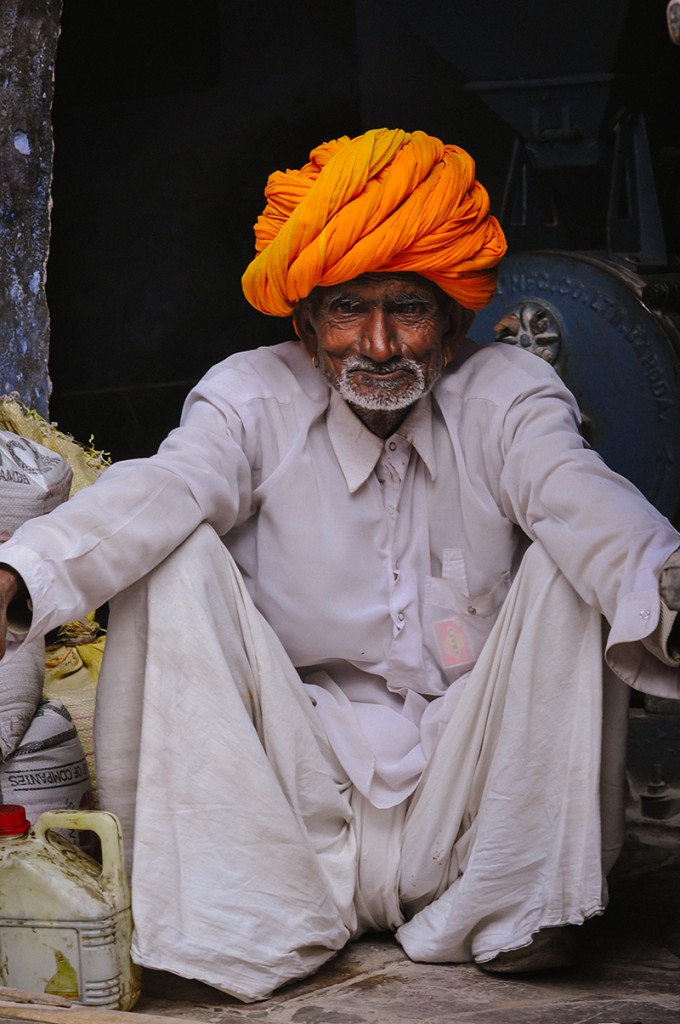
(255, 859)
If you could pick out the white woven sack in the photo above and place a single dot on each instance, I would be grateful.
(21, 686)
(48, 769)
(33, 480)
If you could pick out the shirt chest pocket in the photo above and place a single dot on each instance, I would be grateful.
(457, 623)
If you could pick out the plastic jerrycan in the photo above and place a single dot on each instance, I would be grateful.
(65, 919)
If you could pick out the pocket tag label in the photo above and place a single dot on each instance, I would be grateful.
(452, 642)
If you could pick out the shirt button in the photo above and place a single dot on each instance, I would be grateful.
(472, 610)
(392, 446)
(400, 616)
(645, 613)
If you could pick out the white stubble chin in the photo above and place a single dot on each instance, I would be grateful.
(385, 394)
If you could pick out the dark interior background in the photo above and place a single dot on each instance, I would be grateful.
(168, 117)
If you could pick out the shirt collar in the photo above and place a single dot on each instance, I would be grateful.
(358, 450)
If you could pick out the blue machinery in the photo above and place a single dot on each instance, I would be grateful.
(613, 335)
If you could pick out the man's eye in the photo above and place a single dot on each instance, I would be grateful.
(345, 306)
(409, 308)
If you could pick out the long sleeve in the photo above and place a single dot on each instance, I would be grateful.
(112, 533)
(607, 539)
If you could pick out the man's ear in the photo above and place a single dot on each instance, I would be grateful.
(304, 326)
(458, 324)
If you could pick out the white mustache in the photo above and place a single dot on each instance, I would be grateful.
(398, 364)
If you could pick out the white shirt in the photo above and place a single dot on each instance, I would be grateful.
(380, 564)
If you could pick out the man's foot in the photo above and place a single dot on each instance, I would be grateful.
(550, 949)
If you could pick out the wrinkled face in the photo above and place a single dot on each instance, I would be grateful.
(382, 340)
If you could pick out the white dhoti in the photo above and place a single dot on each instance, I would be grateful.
(255, 860)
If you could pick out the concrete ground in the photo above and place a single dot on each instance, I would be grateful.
(628, 970)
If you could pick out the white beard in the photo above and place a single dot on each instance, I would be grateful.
(386, 395)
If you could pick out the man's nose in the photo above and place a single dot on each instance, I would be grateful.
(378, 337)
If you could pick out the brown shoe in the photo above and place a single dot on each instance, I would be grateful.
(549, 950)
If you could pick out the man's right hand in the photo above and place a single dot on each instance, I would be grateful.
(11, 587)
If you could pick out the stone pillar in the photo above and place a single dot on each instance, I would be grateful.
(29, 30)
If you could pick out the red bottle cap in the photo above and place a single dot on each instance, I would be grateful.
(13, 820)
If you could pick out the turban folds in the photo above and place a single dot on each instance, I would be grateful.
(386, 201)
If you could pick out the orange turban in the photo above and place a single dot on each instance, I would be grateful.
(386, 201)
